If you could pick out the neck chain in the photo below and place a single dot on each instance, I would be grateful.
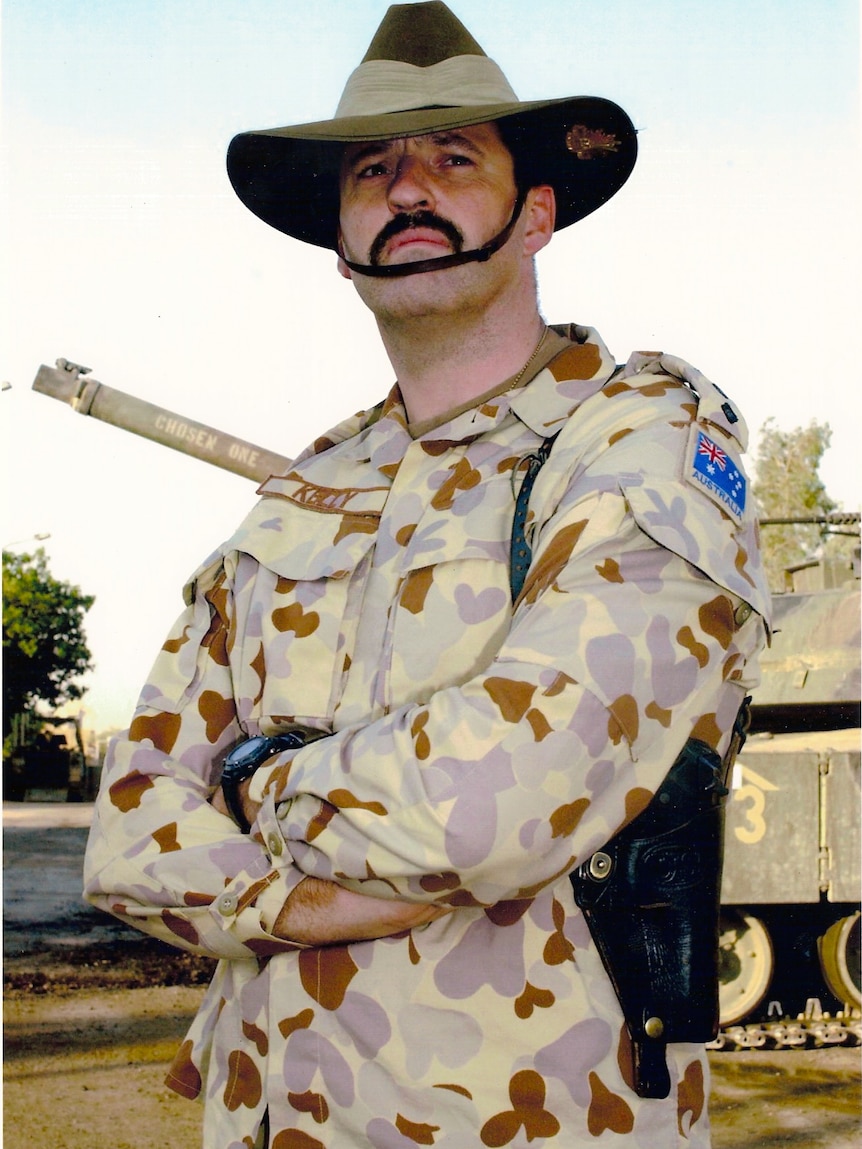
(532, 358)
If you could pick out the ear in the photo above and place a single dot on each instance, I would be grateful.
(540, 212)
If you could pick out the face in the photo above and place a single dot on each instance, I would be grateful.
(410, 199)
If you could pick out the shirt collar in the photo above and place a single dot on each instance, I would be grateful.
(580, 370)
(542, 404)
(580, 367)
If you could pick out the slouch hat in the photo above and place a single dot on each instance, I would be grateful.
(424, 72)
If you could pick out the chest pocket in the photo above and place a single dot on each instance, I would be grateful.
(297, 626)
(451, 610)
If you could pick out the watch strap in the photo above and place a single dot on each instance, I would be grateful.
(230, 789)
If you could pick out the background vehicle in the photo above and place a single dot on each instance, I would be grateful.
(790, 894)
(50, 759)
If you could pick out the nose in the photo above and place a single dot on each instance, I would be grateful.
(410, 188)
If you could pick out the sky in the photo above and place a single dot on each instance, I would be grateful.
(735, 244)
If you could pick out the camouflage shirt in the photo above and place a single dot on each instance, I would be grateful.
(476, 752)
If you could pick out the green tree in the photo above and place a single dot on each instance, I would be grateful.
(44, 645)
(788, 486)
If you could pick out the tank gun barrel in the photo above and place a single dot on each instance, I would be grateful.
(833, 519)
(69, 382)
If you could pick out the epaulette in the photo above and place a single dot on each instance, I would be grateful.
(713, 405)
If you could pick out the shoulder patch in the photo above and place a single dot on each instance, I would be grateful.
(713, 469)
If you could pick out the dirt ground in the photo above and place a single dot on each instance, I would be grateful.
(93, 1014)
(87, 1041)
(86, 1070)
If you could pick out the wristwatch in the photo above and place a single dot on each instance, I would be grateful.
(245, 758)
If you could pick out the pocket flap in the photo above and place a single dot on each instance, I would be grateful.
(302, 541)
(474, 526)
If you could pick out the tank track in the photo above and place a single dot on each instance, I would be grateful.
(812, 1029)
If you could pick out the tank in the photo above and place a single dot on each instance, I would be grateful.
(790, 926)
(790, 929)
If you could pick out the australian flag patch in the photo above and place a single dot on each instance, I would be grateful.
(714, 469)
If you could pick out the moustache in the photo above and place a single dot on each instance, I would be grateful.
(407, 220)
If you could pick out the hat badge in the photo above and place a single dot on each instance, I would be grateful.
(586, 143)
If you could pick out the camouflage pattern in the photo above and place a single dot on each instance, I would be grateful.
(476, 755)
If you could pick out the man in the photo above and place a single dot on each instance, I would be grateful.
(370, 753)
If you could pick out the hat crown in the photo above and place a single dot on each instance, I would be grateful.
(422, 35)
(422, 56)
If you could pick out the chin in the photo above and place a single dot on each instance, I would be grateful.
(454, 291)
(414, 298)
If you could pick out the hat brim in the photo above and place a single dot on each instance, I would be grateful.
(289, 177)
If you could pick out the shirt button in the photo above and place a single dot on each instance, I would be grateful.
(742, 613)
(227, 905)
(275, 844)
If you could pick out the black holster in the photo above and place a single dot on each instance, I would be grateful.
(651, 900)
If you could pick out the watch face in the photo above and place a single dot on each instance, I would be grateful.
(246, 757)
(248, 753)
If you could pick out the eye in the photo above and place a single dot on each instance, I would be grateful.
(371, 170)
(457, 160)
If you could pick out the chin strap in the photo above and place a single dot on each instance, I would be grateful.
(441, 262)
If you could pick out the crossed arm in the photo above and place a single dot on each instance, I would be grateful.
(164, 857)
(317, 912)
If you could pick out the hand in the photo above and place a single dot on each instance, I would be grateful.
(322, 913)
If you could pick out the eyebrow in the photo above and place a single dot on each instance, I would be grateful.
(457, 139)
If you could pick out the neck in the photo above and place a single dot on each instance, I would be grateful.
(442, 364)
